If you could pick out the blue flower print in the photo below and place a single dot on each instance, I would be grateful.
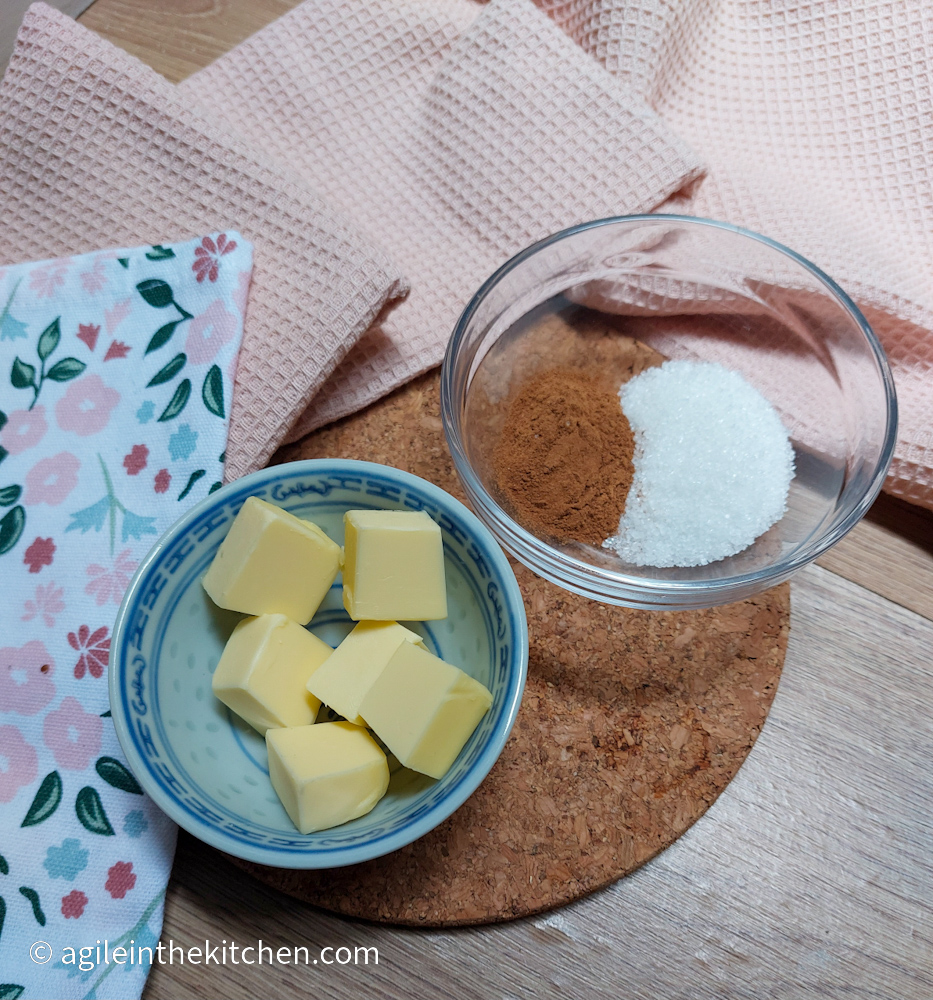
(66, 861)
(182, 443)
(145, 413)
(136, 525)
(135, 824)
(144, 939)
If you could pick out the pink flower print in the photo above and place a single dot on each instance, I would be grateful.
(135, 462)
(114, 316)
(19, 763)
(52, 479)
(120, 879)
(110, 585)
(39, 554)
(117, 350)
(72, 734)
(45, 281)
(24, 429)
(94, 648)
(26, 684)
(207, 256)
(47, 604)
(208, 333)
(86, 406)
(88, 333)
(73, 904)
(163, 480)
(95, 279)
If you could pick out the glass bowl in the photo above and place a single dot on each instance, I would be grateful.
(686, 288)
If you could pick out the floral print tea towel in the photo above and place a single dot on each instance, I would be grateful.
(116, 371)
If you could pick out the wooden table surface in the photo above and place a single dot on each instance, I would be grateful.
(812, 875)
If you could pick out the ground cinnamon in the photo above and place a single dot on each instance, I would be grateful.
(564, 460)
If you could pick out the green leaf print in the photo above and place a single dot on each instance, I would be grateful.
(3, 419)
(22, 376)
(65, 370)
(192, 479)
(49, 338)
(4, 867)
(162, 336)
(159, 252)
(156, 292)
(46, 801)
(114, 773)
(178, 401)
(10, 991)
(90, 812)
(167, 373)
(33, 898)
(124, 262)
(2, 913)
(213, 391)
(11, 527)
(159, 295)
(9, 495)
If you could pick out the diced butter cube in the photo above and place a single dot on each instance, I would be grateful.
(424, 709)
(264, 670)
(347, 674)
(393, 566)
(272, 562)
(326, 774)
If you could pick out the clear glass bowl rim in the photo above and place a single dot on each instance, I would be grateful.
(610, 586)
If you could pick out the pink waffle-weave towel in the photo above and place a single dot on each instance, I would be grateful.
(97, 149)
(816, 124)
(456, 134)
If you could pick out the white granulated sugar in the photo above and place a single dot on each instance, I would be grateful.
(713, 464)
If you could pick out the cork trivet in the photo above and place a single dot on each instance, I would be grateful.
(631, 725)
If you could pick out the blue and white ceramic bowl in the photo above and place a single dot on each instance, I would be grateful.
(205, 767)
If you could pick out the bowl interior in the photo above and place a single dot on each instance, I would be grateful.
(206, 767)
(685, 288)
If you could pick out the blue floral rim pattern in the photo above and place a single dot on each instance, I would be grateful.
(174, 566)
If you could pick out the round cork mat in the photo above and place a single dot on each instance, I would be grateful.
(631, 725)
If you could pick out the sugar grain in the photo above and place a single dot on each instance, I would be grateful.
(713, 465)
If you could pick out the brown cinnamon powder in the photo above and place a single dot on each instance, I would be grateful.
(564, 460)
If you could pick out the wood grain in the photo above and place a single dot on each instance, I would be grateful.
(178, 37)
(891, 553)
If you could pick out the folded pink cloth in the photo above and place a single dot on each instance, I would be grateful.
(96, 149)
(815, 123)
(457, 134)
(454, 134)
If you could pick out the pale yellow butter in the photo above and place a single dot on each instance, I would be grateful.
(264, 670)
(272, 562)
(347, 674)
(424, 709)
(326, 774)
(393, 566)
